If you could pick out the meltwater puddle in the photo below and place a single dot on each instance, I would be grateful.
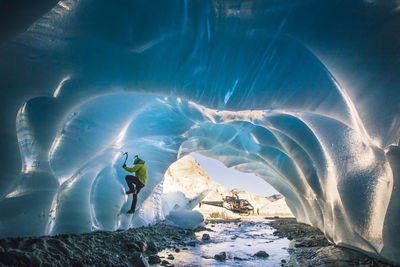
(239, 240)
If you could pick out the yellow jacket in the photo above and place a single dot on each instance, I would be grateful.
(140, 171)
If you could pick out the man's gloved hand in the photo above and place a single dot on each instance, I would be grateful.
(123, 166)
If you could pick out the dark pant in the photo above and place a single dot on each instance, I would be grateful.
(131, 181)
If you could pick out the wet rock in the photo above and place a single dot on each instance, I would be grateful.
(12, 258)
(151, 248)
(293, 230)
(312, 241)
(138, 260)
(220, 257)
(177, 250)
(200, 228)
(311, 248)
(96, 248)
(165, 263)
(184, 248)
(171, 257)
(154, 259)
(134, 246)
(261, 254)
(191, 243)
(141, 245)
(238, 258)
(176, 238)
(205, 237)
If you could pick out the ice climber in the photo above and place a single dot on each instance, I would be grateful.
(137, 182)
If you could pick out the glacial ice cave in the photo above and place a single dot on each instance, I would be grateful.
(303, 93)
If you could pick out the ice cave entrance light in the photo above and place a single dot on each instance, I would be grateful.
(232, 178)
(188, 185)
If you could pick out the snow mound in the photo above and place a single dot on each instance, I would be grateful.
(183, 218)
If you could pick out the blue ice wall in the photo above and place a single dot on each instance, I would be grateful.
(305, 94)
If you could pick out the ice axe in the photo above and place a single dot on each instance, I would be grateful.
(126, 157)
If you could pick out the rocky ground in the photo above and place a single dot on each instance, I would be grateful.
(309, 247)
(159, 245)
(134, 247)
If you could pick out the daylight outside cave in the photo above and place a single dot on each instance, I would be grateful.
(303, 94)
(187, 184)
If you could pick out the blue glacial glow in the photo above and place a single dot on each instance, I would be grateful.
(282, 89)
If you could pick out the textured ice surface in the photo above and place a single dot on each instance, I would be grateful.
(305, 94)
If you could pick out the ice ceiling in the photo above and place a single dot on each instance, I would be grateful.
(305, 94)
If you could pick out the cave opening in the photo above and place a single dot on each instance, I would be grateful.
(206, 185)
(74, 154)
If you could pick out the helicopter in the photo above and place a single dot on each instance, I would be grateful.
(232, 203)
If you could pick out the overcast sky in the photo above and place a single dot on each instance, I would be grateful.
(231, 178)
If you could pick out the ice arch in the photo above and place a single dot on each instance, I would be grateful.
(245, 83)
(77, 179)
